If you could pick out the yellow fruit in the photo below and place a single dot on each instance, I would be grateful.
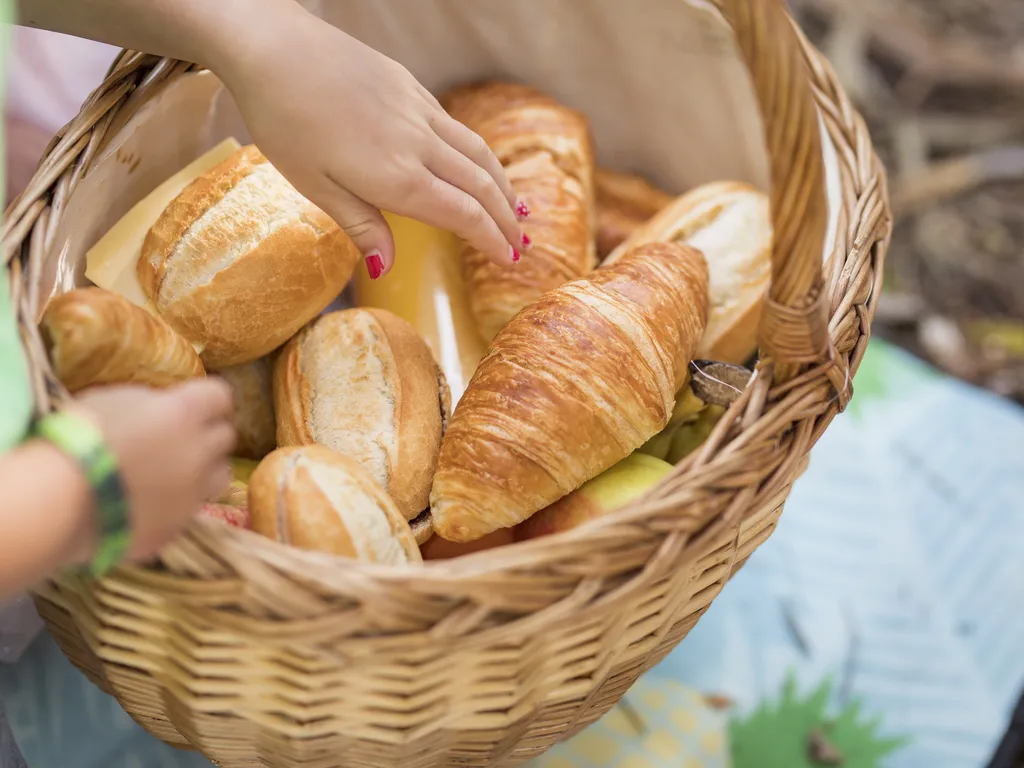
(242, 469)
(688, 408)
(627, 481)
(691, 436)
(236, 495)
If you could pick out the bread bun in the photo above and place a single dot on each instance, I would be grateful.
(254, 407)
(730, 223)
(97, 337)
(314, 498)
(364, 383)
(624, 202)
(240, 261)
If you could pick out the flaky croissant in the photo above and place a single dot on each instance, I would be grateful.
(577, 381)
(97, 337)
(546, 150)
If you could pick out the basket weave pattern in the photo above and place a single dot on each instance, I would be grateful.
(258, 654)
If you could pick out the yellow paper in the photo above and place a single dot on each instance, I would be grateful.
(111, 263)
(425, 289)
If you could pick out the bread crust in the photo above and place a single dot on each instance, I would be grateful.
(548, 157)
(288, 504)
(624, 203)
(254, 407)
(738, 293)
(413, 389)
(97, 337)
(577, 381)
(240, 302)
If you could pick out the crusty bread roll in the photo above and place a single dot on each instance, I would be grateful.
(314, 498)
(577, 381)
(546, 150)
(422, 527)
(363, 382)
(624, 202)
(240, 261)
(730, 223)
(254, 407)
(97, 337)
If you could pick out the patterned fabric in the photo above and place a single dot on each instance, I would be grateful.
(82, 440)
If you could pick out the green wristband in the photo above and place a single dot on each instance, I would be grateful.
(80, 439)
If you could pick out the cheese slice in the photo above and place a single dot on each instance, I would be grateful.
(111, 263)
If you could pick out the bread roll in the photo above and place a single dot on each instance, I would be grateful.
(576, 382)
(97, 337)
(254, 407)
(546, 150)
(314, 498)
(363, 382)
(730, 223)
(240, 261)
(624, 202)
(422, 527)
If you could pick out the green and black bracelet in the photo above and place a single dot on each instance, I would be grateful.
(82, 440)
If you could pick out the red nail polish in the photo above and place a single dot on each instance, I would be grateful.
(374, 265)
(515, 255)
(522, 210)
(527, 242)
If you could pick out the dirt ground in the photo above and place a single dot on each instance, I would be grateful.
(941, 83)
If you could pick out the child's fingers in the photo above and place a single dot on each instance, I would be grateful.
(366, 226)
(470, 145)
(218, 479)
(460, 171)
(206, 400)
(448, 207)
(220, 439)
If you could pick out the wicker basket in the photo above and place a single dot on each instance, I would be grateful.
(257, 654)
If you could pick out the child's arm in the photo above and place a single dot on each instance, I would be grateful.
(350, 128)
(170, 449)
(46, 515)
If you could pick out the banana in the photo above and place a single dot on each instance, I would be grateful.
(690, 436)
(628, 480)
(688, 408)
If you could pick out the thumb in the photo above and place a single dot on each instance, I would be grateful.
(366, 226)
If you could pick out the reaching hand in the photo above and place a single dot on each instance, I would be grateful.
(172, 447)
(356, 133)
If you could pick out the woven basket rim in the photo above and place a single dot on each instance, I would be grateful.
(808, 402)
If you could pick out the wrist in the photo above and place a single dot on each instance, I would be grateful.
(237, 49)
(73, 525)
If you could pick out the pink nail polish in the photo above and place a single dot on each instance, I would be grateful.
(527, 242)
(374, 264)
(515, 254)
(522, 210)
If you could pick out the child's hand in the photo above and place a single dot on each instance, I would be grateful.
(355, 132)
(172, 448)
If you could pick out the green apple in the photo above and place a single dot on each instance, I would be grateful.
(627, 481)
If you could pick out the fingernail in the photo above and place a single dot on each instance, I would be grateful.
(374, 264)
(515, 254)
(522, 210)
(527, 242)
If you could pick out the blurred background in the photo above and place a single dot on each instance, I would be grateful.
(883, 624)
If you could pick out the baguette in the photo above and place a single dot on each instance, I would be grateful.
(546, 151)
(363, 382)
(730, 224)
(240, 261)
(96, 337)
(316, 499)
(576, 382)
(254, 407)
(624, 202)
